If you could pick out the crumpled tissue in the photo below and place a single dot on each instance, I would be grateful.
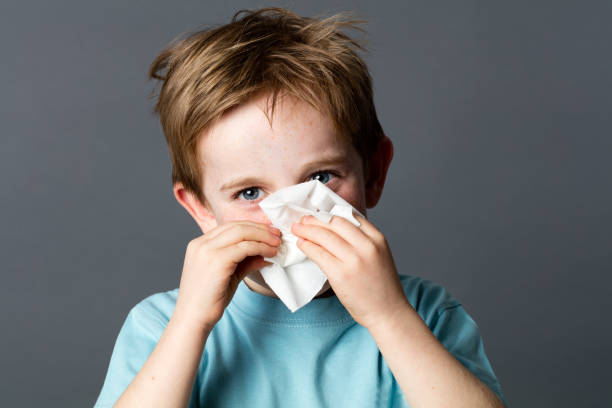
(293, 277)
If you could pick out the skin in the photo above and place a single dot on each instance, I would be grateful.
(280, 156)
(356, 260)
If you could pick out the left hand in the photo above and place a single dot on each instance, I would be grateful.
(358, 265)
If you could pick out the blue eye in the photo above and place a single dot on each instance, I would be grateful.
(248, 197)
(251, 194)
(324, 180)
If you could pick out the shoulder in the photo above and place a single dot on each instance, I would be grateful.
(141, 330)
(155, 310)
(428, 298)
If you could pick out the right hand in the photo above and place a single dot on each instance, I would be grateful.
(215, 263)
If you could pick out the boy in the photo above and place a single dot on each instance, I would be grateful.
(267, 101)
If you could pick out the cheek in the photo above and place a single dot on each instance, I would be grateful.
(240, 215)
(352, 192)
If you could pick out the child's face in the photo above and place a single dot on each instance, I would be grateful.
(242, 145)
(244, 160)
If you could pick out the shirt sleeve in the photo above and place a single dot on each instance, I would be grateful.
(460, 335)
(453, 327)
(135, 342)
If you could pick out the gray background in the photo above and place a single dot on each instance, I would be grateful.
(499, 189)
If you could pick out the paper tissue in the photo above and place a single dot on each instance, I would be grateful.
(293, 277)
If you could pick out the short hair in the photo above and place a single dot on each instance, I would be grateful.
(273, 50)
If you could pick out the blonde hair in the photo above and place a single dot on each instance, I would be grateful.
(205, 73)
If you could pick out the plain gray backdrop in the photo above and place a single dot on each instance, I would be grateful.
(500, 113)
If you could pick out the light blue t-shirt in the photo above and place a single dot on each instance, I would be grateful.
(260, 354)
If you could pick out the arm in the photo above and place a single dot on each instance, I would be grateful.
(156, 364)
(360, 268)
(428, 375)
(166, 379)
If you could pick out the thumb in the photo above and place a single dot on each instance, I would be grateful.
(250, 264)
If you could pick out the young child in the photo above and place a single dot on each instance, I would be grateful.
(265, 102)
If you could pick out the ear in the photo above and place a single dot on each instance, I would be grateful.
(377, 174)
(201, 213)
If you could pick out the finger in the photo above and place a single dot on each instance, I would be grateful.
(368, 228)
(246, 232)
(344, 228)
(325, 260)
(325, 238)
(249, 265)
(220, 229)
(239, 251)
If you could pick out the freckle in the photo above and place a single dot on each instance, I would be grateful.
(153, 378)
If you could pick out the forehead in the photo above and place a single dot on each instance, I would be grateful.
(245, 137)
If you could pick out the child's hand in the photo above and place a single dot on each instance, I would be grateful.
(215, 263)
(358, 265)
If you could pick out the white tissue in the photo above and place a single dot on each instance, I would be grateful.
(293, 277)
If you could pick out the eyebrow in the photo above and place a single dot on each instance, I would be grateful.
(249, 181)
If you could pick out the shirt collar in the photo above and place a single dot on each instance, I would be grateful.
(319, 311)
